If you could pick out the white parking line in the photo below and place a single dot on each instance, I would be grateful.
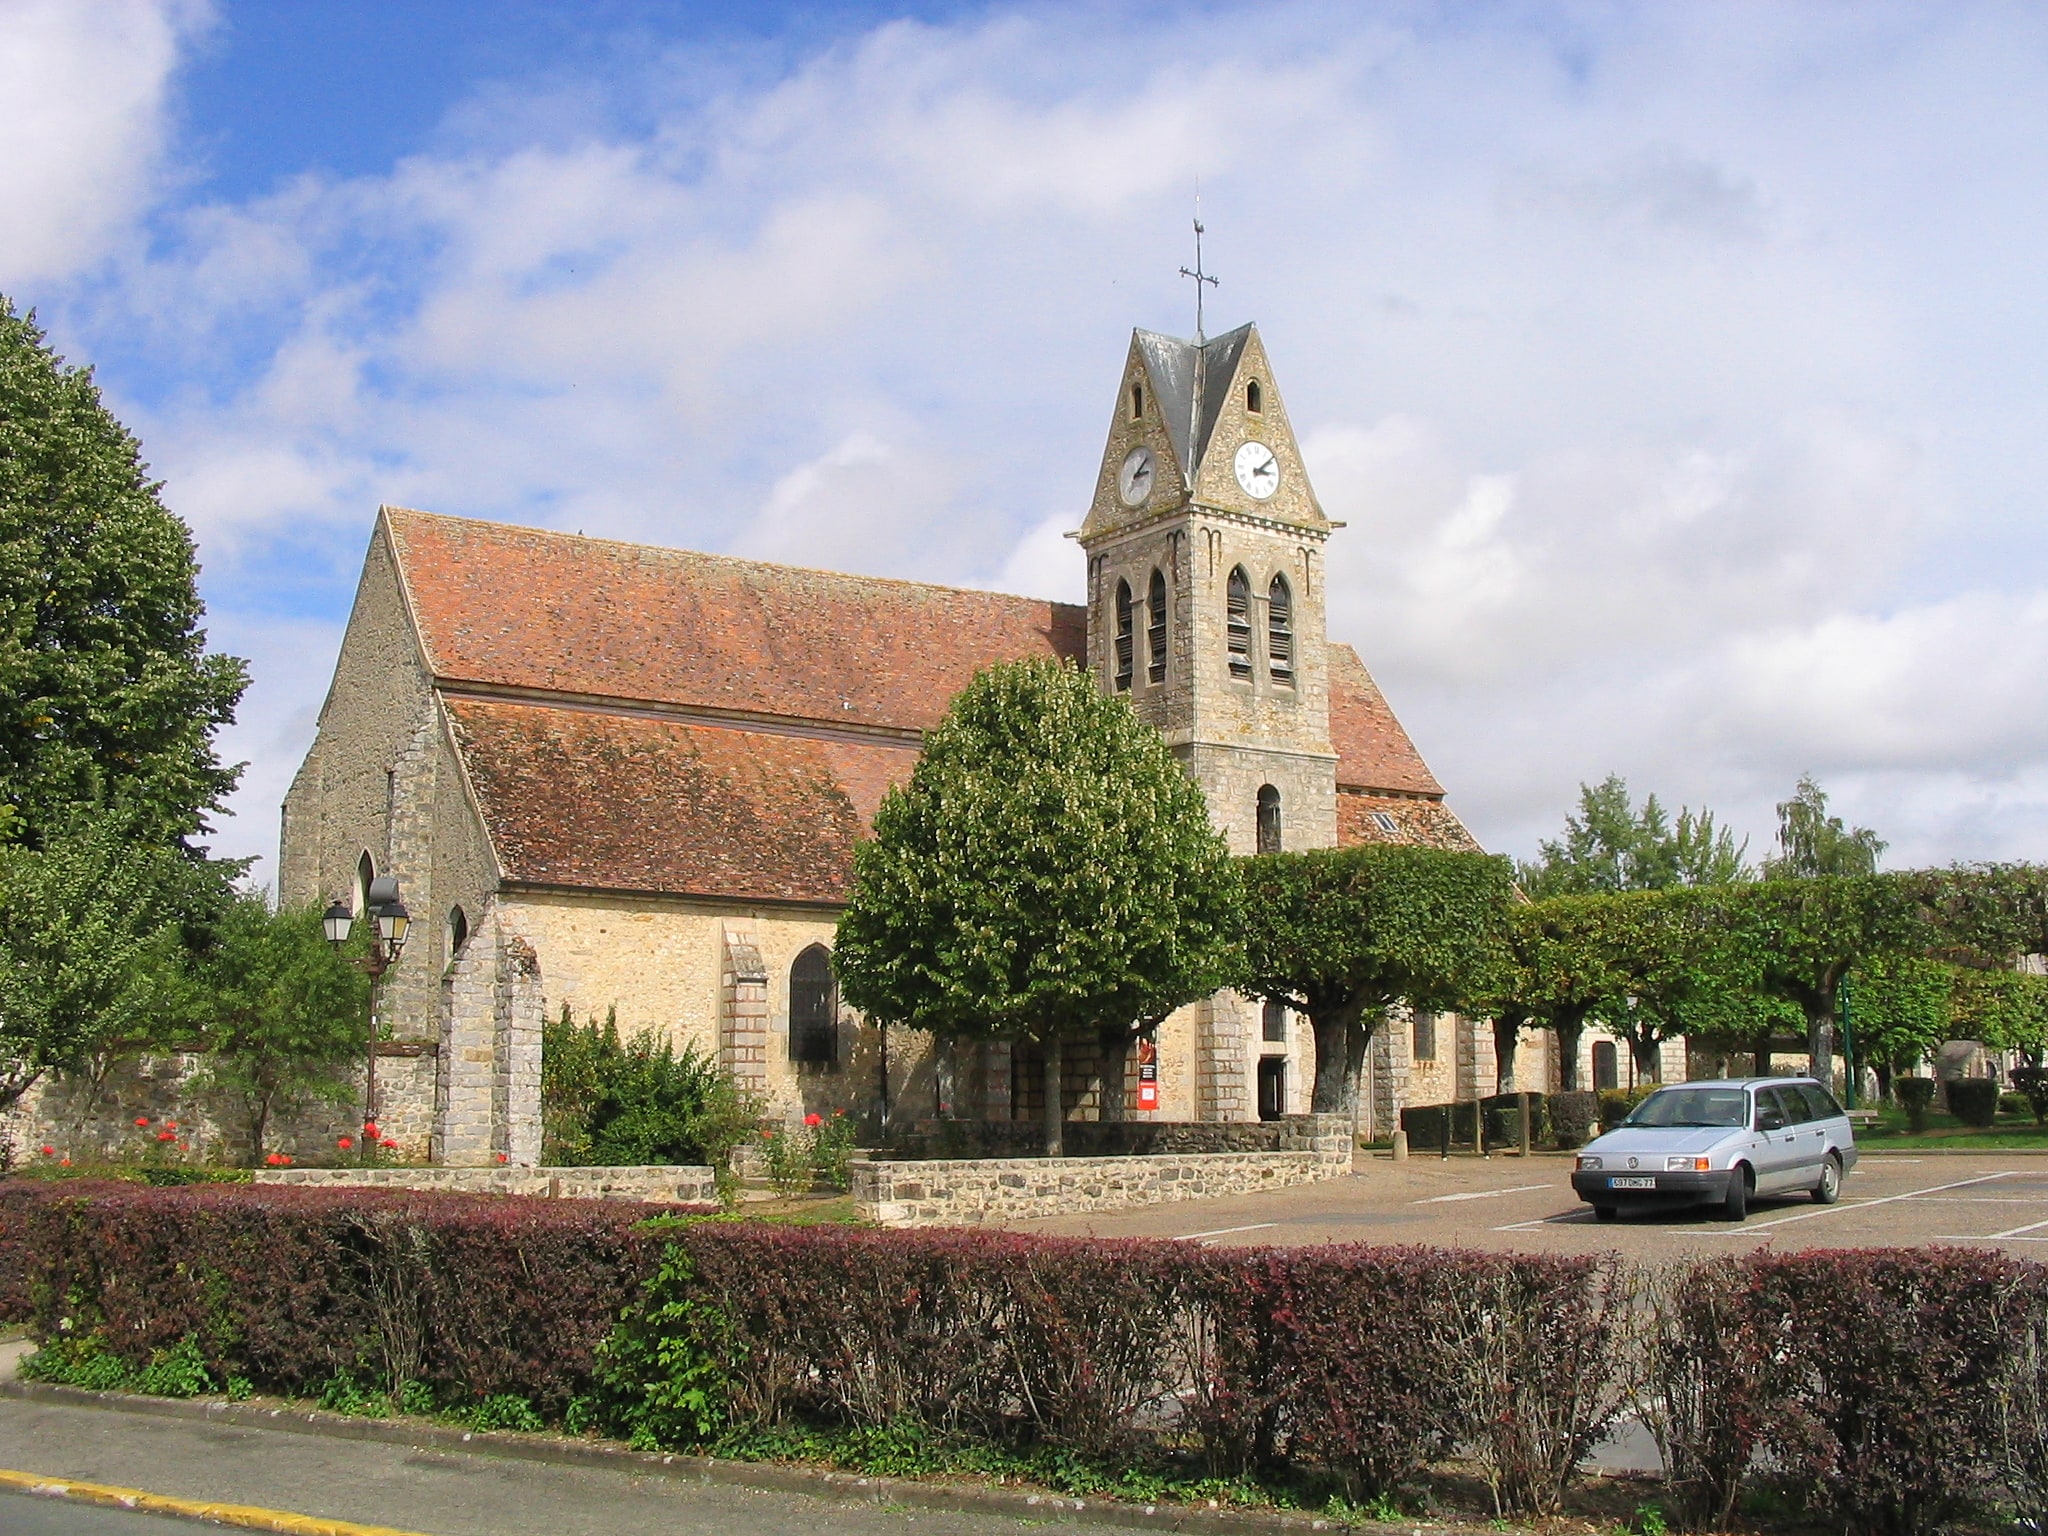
(1195, 1237)
(1481, 1194)
(1834, 1210)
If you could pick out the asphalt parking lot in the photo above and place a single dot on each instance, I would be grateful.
(1971, 1200)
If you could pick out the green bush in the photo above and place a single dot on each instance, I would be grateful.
(1573, 1117)
(609, 1103)
(1974, 1101)
(2032, 1082)
(1915, 1094)
(1616, 1103)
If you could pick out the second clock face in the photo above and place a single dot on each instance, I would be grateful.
(1134, 479)
(1257, 471)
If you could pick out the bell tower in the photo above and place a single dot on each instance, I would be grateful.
(1205, 585)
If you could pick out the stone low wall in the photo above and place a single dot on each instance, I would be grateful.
(970, 1192)
(1103, 1138)
(682, 1185)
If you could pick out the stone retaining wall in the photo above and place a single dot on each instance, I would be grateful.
(971, 1192)
(683, 1185)
(1105, 1138)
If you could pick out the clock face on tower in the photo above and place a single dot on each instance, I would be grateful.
(1134, 479)
(1257, 471)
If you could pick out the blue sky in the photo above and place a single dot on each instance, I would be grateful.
(1679, 369)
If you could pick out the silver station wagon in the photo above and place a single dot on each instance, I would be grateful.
(1720, 1143)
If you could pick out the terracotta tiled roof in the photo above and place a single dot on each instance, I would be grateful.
(1430, 823)
(1373, 752)
(630, 803)
(528, 609)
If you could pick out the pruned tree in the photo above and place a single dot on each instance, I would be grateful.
(1899, 1007)
(1342, 934)
(108, 696)
(1048, 873)
(1556, 978)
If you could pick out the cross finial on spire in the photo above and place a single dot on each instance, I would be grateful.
(1201, 279)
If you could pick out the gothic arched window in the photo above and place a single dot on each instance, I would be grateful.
(1124, 636)
(366, 876)
(1155, 629)
(813, 1007)
(1269, 819)
(1238, 622)
(1252, 397)
(458, 932)
(1280, 632)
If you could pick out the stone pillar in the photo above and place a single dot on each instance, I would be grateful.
(1390, 1045)
(516, 1054)
(1221, 1090)
(1474, 1048)
(743, 1013)
(487, 1071)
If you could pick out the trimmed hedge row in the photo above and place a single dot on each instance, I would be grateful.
(1888, 1389)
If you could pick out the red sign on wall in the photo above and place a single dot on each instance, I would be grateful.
(1148, 1073)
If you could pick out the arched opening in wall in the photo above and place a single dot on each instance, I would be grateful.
(458, 933)
(1237, 616)
(1137, 401)
(1155, 630)
(1124, 636)
(1269, 819)
(366, 876)
(813, 1008)
(1254, 398)
(1422, 1045)
(1606, 1066)
(1273, 1022)
(1280, 632)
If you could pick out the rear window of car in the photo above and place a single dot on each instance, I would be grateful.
(1797, 1110)
(1820, 1102)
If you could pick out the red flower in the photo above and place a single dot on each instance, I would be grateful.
(184, 1147)
(275, 1160)
(65, 1164)
(814, 1118)
(766, 1134)
(166, 1135)
(345, 1142)
(388, 1144)
(369, 1130)
(170, 1125)
(141, 1120)
(49, 1151)
(504, 1157)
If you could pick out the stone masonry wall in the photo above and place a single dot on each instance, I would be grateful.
(683, 1185)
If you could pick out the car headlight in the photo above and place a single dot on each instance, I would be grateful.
(1589, 1162)
(1685, 1165)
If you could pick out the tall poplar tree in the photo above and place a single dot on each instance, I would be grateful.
(108, 696)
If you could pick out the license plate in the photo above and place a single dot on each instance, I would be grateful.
(1631, 1183)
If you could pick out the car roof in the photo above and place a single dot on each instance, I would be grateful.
(1741, 1082)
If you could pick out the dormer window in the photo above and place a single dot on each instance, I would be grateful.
(1137, 401)
(1252, 396)
(1237, 614)
(1155, 630)
(1280, 632)
(1125, 638)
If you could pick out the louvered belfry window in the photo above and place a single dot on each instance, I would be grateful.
(1124, 636)
(1280, 632)
(1155, 630)
(1238, 617)
(813, 1007)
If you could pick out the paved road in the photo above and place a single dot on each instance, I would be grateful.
(1973, 1200)
(393, 1485)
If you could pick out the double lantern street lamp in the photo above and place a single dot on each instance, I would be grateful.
(391, 920)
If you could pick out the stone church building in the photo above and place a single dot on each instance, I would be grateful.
(630, 779)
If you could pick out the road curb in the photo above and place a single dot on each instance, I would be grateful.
(820, 1482)
(248, 1517)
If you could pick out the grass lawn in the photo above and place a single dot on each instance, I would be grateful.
(1947, 1131)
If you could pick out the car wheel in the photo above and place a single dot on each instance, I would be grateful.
(1829, 1189)
(1737, 1204)
(1607, 1212)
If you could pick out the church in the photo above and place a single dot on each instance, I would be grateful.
(627, 780)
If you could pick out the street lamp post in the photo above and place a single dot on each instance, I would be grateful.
(389, 921)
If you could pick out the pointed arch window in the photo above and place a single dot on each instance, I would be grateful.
(1253, 397)
(366, 876)
(1155, 629)
(1280, 632)
(813, 1008)
(1137, 401)
(1237, 613)
(1269, 819)
(1125, 638)
(458, 933)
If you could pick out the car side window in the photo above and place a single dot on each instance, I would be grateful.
(1768, 1106)
(1820, 1102)
(1797, 1110)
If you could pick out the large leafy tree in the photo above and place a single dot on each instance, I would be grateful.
(1612, 845)
(1898, 1008)
(284, 1018)
(1341, 934)
(1557, 977)
(93, 952)
(1812, 843)
(107, 694)
(1049, 873)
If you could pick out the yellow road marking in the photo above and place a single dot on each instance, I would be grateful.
(248, 1516)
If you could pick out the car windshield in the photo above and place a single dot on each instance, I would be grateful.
(1692, 1107)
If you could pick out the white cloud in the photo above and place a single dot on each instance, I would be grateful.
(83, 87)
